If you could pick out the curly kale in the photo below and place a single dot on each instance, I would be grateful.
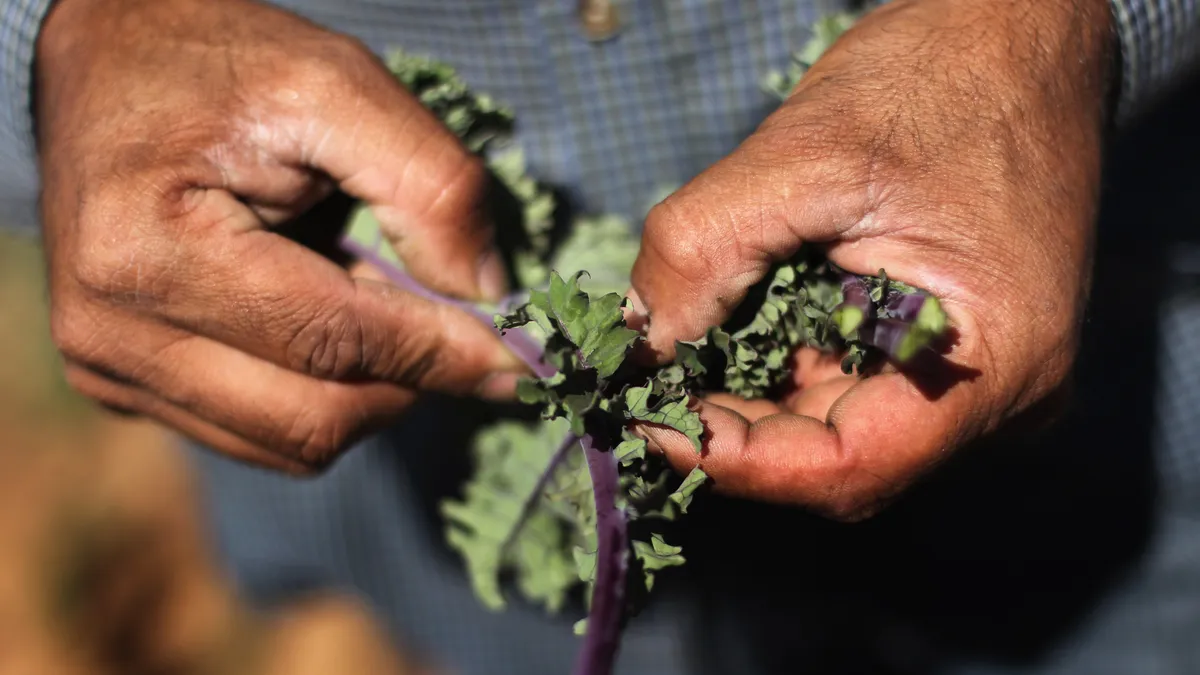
(825, 31)
(575, 498)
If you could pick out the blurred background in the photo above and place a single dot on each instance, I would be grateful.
(105, 562)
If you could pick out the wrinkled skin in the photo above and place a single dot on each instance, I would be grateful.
(173, 136)
(954, 144)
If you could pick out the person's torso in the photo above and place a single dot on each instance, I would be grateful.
(611, 122)
(993, 562)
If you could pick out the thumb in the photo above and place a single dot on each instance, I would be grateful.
(363, 129)
(707, 244)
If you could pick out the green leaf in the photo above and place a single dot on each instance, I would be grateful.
(825, 32)
(585, 563)
(577, 406)
(595, 327)
(682, 495)
(688, 357)
(656, 555)
(673, 414)
(639, 490)
(931, 319)
(604, 247)
(630, 450)
(510, 457)
(531, 391)
(853, 359)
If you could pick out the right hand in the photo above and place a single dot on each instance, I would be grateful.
(173, 135)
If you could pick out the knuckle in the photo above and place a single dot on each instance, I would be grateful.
(852, 494)
(348, 51)
(463, 184)
(317, 437)
(75, 334)
(113, 260)
(662, 218)
(329, 345)
(796, 136)
(334, 344)
(109, 272)
(329, 70)
(102, 261)
(414, 359)
(450, 185)
(682, 238)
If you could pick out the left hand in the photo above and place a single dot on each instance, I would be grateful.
(172, 166)
(954, 143)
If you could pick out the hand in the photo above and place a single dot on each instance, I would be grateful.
(174, 135)
(957, 146)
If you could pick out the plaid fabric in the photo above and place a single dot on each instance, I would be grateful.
(615, 122)
(674, 55)
(945, 583)
(19, 24)
(1160, 39)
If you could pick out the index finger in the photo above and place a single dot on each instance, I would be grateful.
(271, 297)
(707, 244)
(356, 123)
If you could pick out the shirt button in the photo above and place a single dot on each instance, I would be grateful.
(600, 18)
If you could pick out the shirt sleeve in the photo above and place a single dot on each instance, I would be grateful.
(1160, 46)
(20, 21)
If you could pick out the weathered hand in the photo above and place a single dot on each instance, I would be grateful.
(954, 144)
(174, 134)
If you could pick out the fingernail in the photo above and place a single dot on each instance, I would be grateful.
(499, 387)
(638, 319)
(493, 277)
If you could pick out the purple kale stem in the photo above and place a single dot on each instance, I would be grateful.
(854, 294)
(887, 334)
(896, 338)
(603, 638)
(905, 306)
(526, 348)
(856, 307)
(539, 488)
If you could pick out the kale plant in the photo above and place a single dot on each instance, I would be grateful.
(575, 498)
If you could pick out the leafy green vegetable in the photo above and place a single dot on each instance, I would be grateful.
(825, 31)
(509, 459)
(595, 329)
(551, 502)
(476, 119)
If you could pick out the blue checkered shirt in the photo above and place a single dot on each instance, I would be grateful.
(1075, 554)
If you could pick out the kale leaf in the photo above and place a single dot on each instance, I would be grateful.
(575, 498)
